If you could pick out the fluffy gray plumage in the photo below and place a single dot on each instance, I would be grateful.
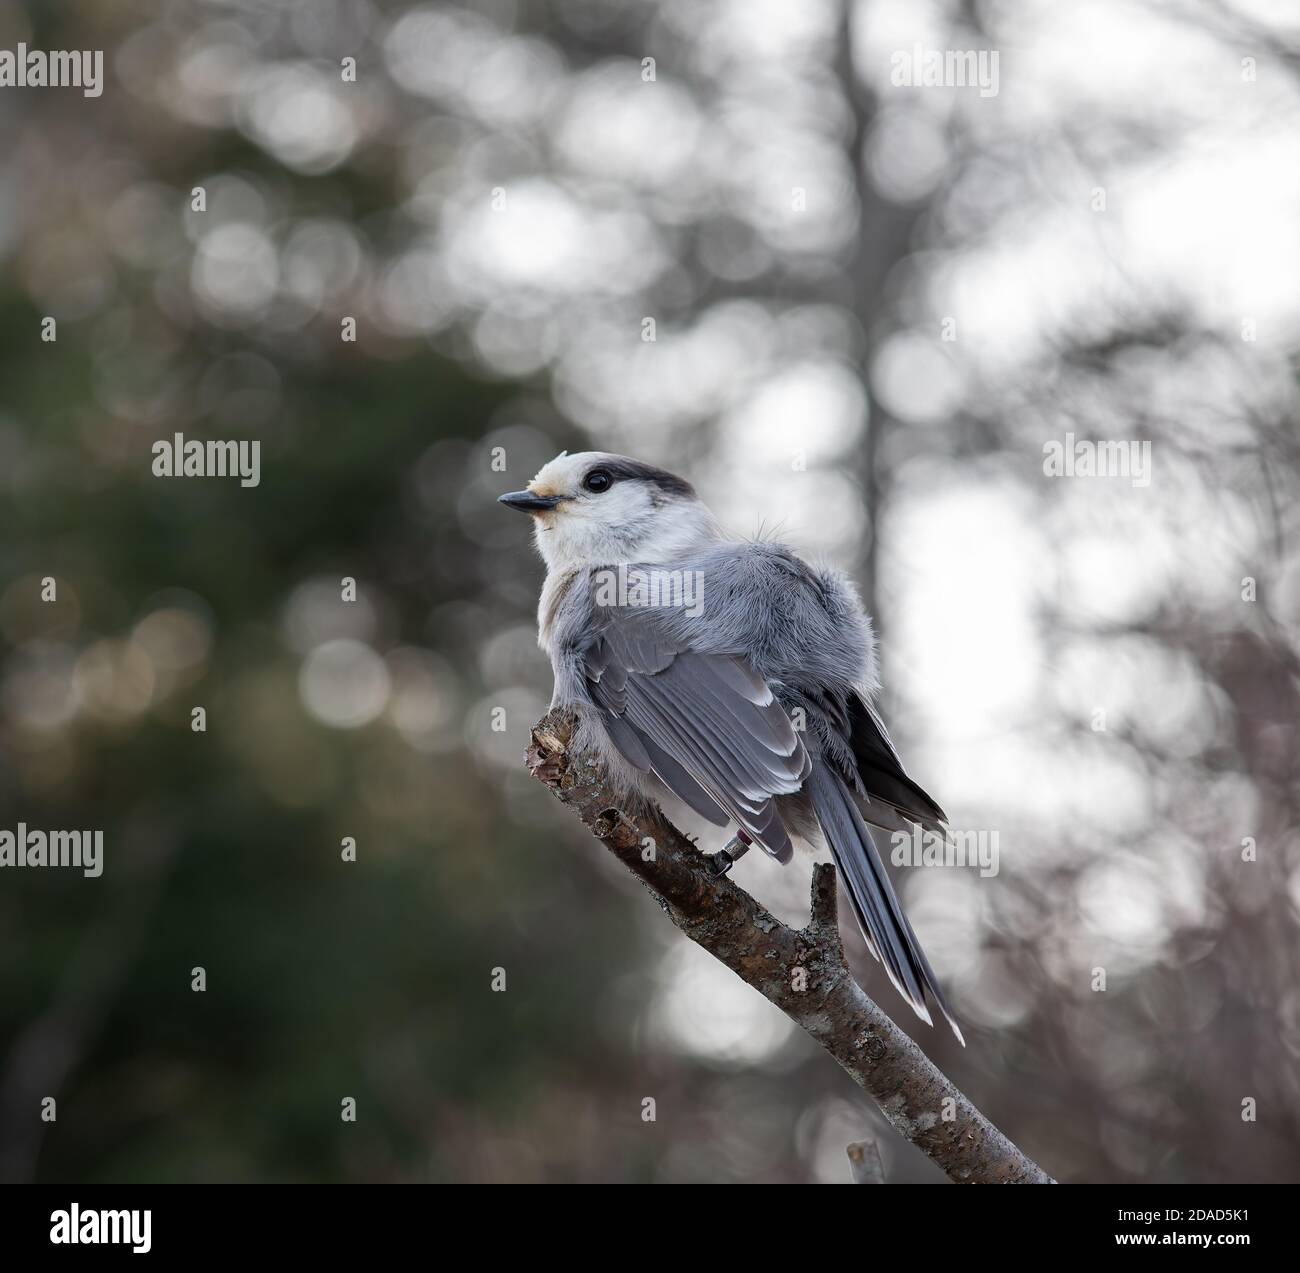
(701, 698)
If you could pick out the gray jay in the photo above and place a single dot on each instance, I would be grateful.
(732, 673)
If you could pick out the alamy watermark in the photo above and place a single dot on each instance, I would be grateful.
(217, 457)
(919, 67)
(654, 588)
(965, 849)
(28, 847)
(76, 1227)
(60, 68)
(1085, 458)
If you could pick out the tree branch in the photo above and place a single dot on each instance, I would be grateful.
(825, 1001)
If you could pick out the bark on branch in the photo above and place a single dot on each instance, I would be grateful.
(716, 914)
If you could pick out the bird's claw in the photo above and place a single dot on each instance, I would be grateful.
(727, 857)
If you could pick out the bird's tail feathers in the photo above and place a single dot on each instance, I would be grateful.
(880, 914)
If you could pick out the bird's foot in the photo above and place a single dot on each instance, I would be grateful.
(736, 848)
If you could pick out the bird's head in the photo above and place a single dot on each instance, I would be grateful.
(596, 509)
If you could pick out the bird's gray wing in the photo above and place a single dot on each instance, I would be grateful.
(859, 747)
(881, 772)
(707, 725)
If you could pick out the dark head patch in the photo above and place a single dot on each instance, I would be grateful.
(623, 470)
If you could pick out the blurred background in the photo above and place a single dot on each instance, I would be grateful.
(873, 306)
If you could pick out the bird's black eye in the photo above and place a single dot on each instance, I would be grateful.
(596, 481)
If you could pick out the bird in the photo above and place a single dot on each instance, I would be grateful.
(730, 673)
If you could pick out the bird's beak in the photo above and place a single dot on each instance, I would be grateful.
(527, 502)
